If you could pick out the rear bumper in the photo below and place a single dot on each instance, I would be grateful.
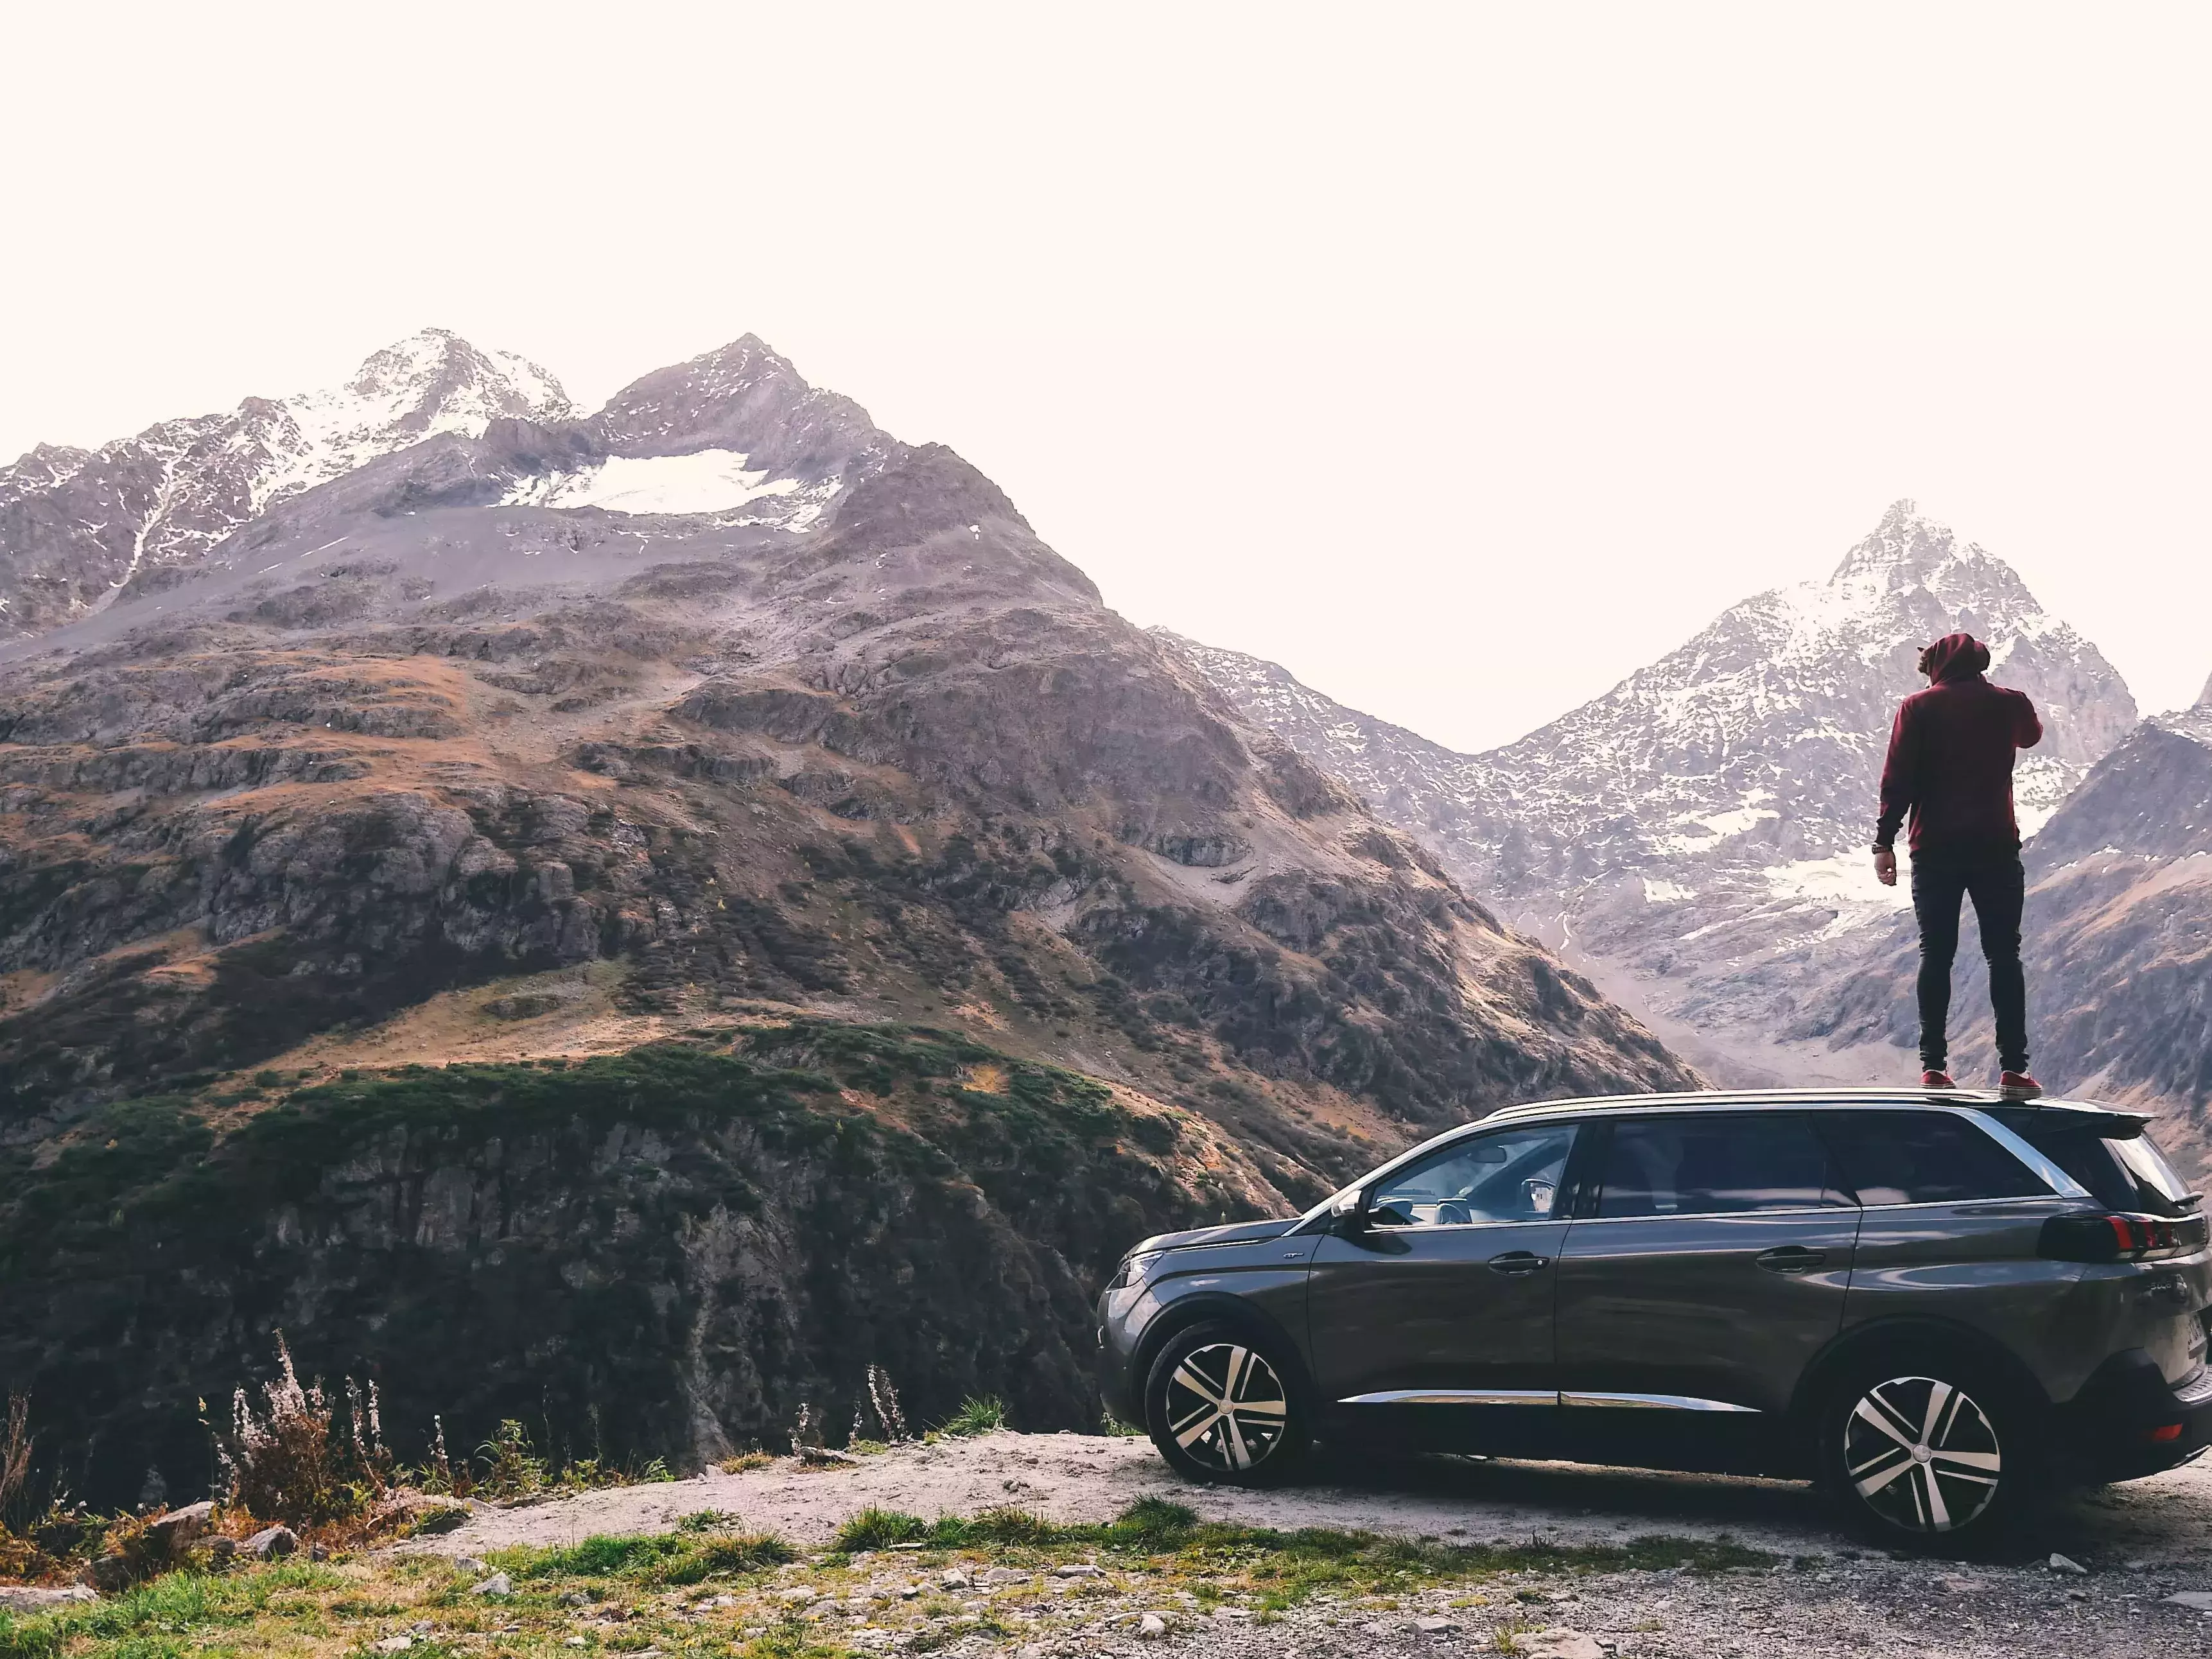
(2127, 1421)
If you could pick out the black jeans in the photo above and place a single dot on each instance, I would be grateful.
(1941, 877)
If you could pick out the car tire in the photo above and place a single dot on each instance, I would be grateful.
(1931, 1451)
(1224, 1406)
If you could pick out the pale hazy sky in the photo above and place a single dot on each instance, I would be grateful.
(1461, 357)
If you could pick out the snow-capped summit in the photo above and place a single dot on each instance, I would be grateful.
(78, 527)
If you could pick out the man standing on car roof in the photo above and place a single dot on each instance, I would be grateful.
(1950, 768)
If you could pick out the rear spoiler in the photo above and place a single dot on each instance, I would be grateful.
(2104, 1124)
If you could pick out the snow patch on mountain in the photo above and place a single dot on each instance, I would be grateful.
(705, 481)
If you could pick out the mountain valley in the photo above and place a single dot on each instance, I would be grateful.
(1696, 840)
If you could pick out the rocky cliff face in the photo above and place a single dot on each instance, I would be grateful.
(718, 707)
(1698, 833)
(667, 1253)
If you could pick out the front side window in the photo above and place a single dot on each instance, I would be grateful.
(1924, 1157)
(1512, 1175)
(1721, 1164)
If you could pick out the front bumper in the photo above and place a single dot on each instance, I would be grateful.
(2127, 1421)
(1116, 1333)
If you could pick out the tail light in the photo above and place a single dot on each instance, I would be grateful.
(2120, 1237)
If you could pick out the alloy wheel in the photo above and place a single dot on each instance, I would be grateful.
(1226, 1408)
(1921, 1454)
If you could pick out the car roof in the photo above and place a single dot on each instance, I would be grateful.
(1843, 1096)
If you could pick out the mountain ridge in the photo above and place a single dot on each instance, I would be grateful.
(877, 636)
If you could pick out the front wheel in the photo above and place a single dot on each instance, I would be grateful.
(1931, 1454)
(1220, 1407)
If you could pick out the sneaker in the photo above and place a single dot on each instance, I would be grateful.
(1940, 1081)
(2019, 1086)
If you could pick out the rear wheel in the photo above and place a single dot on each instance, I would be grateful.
(1931, 1452)
(1220, 1405)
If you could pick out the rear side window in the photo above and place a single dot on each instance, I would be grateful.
(1718, 1165)
(1923, 1158)
(2127, 1174)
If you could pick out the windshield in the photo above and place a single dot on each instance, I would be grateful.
(2127, 1173)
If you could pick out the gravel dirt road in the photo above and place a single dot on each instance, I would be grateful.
(2138, 1545)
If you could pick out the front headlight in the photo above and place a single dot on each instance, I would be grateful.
(1133, 1269)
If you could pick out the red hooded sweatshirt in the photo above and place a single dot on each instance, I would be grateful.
(1951, 754)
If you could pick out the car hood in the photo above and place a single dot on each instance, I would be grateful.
(1236, 1232)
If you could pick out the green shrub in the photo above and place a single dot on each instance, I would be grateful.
(975, 1416)
(512, 1470)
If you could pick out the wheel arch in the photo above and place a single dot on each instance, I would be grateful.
(1214, 1308)
(1912, 1334)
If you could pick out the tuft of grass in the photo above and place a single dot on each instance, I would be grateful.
(747, 1460)
(687, 1557)
(874, 1529)
(975, 1416)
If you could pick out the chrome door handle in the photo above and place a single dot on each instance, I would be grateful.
(1790, 1259)
(1519, 1261)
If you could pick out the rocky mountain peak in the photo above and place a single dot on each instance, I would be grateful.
(1908, 550)
(748, 398)
(79, 528)
(436, 381)
(2204, 698)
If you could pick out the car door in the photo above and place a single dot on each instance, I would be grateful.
(1708, 1262)
(1953, 1231)
(1429, 1320)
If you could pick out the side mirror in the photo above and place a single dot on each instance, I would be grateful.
(1348, 1215)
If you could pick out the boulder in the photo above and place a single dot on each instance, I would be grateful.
(43, 1598)
(272, 1543)
(172, 1532)
(111, 1574)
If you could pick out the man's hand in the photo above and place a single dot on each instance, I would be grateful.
(1885, 866)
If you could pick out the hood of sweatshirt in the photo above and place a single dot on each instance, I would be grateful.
(1956, 656)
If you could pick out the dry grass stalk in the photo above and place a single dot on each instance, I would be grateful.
(14, 1456)
(886, 1401)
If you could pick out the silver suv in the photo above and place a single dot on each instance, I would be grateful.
(1939, 1305)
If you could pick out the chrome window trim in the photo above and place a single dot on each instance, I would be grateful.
(1667, 1402)
(1960, 1203)
(2054, 1177)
